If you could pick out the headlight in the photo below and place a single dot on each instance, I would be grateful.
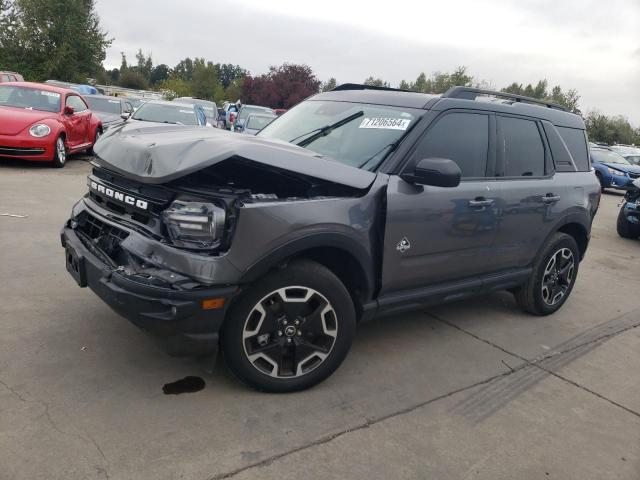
(39, 130)
(613, 171)
(196, 225)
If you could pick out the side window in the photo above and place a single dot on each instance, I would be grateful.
(76, 102)
(128, 108)
(577, 144)
(461, 137)
(520, 147)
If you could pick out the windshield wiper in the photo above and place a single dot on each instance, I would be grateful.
(388, 148)
(324, 131)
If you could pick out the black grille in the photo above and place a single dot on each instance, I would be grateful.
(634, 175)
(21, 152)
(97, 230)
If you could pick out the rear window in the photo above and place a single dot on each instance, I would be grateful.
(576, 142)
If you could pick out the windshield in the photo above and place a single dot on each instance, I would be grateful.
(623, 150)
(135, 102)
(105, 105)
(635, 159)
(607, 156)
(164, 113)
(368, 135)
(29, 98)
(258, 122)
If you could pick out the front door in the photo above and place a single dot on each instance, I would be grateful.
(78, 122)
(436, 235)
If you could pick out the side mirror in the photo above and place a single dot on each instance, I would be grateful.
(125, 115)
(69, 110)
(437, 172)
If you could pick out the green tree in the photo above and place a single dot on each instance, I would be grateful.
(376, 82)
(59, 39)
(329, 85)
(176, 87)
(133, 79)
(159, 74)
(204, 79)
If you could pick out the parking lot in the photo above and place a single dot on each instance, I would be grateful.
(475, 389)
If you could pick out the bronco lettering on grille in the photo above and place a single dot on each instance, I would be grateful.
(119, 196)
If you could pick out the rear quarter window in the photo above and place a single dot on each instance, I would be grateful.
(576, 141)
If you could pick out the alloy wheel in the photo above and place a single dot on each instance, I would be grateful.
(290, 332)
(61, 151)
(558, 276)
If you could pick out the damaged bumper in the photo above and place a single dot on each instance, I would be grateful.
(185, 317)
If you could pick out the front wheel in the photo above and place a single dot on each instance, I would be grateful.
(600, 179)
(625, 228)
(553, 276)
(290, 330)
(59, 153)
(97, 136)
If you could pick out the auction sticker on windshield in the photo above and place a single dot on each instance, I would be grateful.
(387, 123)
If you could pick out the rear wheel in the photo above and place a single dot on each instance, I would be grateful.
(290, 330)
(625, 228)
(553, 276)
(59, 153)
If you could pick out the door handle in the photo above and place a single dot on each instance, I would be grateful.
(480, 202)
(550, 198)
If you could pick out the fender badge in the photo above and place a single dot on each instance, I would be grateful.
(403, 245)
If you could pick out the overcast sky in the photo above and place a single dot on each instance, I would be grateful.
(590, 45)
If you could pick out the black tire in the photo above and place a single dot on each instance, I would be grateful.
(95, 139)
(599, 177)
(535, 295)
(59, 153)
(625, 228)
(265, 313)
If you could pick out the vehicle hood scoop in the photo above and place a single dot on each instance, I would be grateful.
(157, 154)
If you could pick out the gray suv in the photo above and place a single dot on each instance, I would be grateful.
(357, 203)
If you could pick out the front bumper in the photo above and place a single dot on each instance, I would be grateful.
(175, 317)
(620, 182)
(27, 148)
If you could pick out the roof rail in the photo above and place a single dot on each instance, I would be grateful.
(469, 93)
(359, 86)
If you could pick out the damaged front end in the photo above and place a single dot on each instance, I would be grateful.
(170, 256)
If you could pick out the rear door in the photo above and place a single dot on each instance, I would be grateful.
(531, 193)
(435, 234)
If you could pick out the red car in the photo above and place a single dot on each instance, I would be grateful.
(44, 123)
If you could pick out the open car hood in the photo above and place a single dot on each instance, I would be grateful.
(159, 153)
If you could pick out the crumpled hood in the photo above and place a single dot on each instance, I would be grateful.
(624, 168)
(159, 153)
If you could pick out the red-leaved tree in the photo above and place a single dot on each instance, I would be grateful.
(281, 87)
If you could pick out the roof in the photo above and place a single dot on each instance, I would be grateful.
(376, 96)
(456, 97)
(43, 86)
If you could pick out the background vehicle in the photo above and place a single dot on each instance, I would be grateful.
(256, 122)
(136, 102)
(612, 169)
(628, 224)
(6, 77)
(160, 111)
(210, 108)
(110, 110)
(246, 110)
(631, 154)
(230, 114)
(359, 202)
(41, 122)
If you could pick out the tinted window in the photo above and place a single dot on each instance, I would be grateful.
(576, 142)
(521, 148)
(76, 102)
(461, 137)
